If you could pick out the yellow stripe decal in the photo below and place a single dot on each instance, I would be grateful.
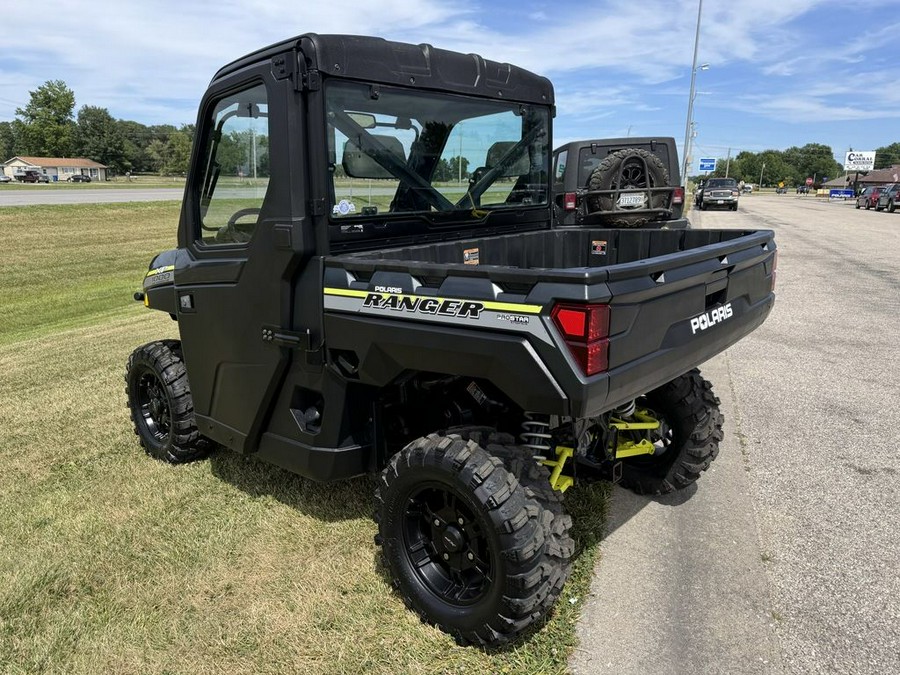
(488, 304)
(160, 270)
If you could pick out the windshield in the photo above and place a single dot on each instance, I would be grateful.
(440, 157)
(721, 182)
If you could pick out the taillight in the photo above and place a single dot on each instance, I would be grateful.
(678, 195)
(570, 201)
(586, 330)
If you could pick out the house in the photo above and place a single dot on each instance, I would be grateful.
(56, 168)
(881, 176)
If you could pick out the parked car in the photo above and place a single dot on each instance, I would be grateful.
(803, 190)
(4, 178)
(79, 178)
(889, 199)
(31, 176)
(869, 197)
(718, 192)
(781, 191)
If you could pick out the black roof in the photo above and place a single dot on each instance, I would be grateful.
(375, 59)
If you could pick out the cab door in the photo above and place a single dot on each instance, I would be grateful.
(237, 260)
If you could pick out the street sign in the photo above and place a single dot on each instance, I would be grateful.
(859, 161)
(707, 163)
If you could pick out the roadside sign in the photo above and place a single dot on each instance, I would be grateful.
(840, 194)
(859, 161)
(781, 183)
(707, 163)
(809, 181)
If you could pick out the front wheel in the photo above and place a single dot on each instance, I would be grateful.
(890, 206)
(467, 546)
(159, 399)
(687, 441)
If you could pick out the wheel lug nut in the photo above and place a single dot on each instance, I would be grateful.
(470, 555)
(446, 556)
(437, 523)
(460, 521)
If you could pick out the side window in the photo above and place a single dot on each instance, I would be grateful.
(236, 167)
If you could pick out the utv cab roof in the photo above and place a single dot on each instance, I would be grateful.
(374, 59)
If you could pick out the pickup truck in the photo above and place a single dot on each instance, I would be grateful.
(618, 182)
(31, 176)
(350, 310)
(718, 193)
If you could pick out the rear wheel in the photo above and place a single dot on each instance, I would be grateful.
(159, 399)
(687, 441)
(890, 206)
(468, 547)
(868, 205)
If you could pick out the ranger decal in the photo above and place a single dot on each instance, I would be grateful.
(463, 309)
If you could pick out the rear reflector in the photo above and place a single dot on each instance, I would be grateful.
(678, 195)
(570, 200)
(593, 358)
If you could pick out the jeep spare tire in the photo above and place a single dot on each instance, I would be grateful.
(624, 170)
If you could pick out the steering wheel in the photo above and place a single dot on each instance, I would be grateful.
(230, 233)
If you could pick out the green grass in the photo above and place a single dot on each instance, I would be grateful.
(111, 562)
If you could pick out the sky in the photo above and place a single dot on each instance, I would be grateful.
(781, 72)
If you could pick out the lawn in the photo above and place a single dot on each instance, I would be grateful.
(112, 562)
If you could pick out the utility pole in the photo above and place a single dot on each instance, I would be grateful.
(459, 160)
(761, 174)
(690, 115)
(728, 163)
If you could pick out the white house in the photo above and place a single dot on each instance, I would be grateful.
(56, 168)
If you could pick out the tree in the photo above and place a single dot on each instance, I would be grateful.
(887, 156)
(7, 141)
(453, 163)
(99, 138)
(813, 160)
(45, 127)
(170, 157)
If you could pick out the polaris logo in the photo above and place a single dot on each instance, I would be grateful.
(711, 318)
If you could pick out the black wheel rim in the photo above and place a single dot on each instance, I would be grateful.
(446, 545)
(633, 175)
(154, 415)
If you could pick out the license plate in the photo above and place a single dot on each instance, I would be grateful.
(631, 199)
(720, 202)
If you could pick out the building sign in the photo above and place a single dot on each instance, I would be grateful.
(859, 161)
(707, 163)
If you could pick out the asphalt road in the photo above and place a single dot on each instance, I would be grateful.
(785, 558)
(61, 195)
